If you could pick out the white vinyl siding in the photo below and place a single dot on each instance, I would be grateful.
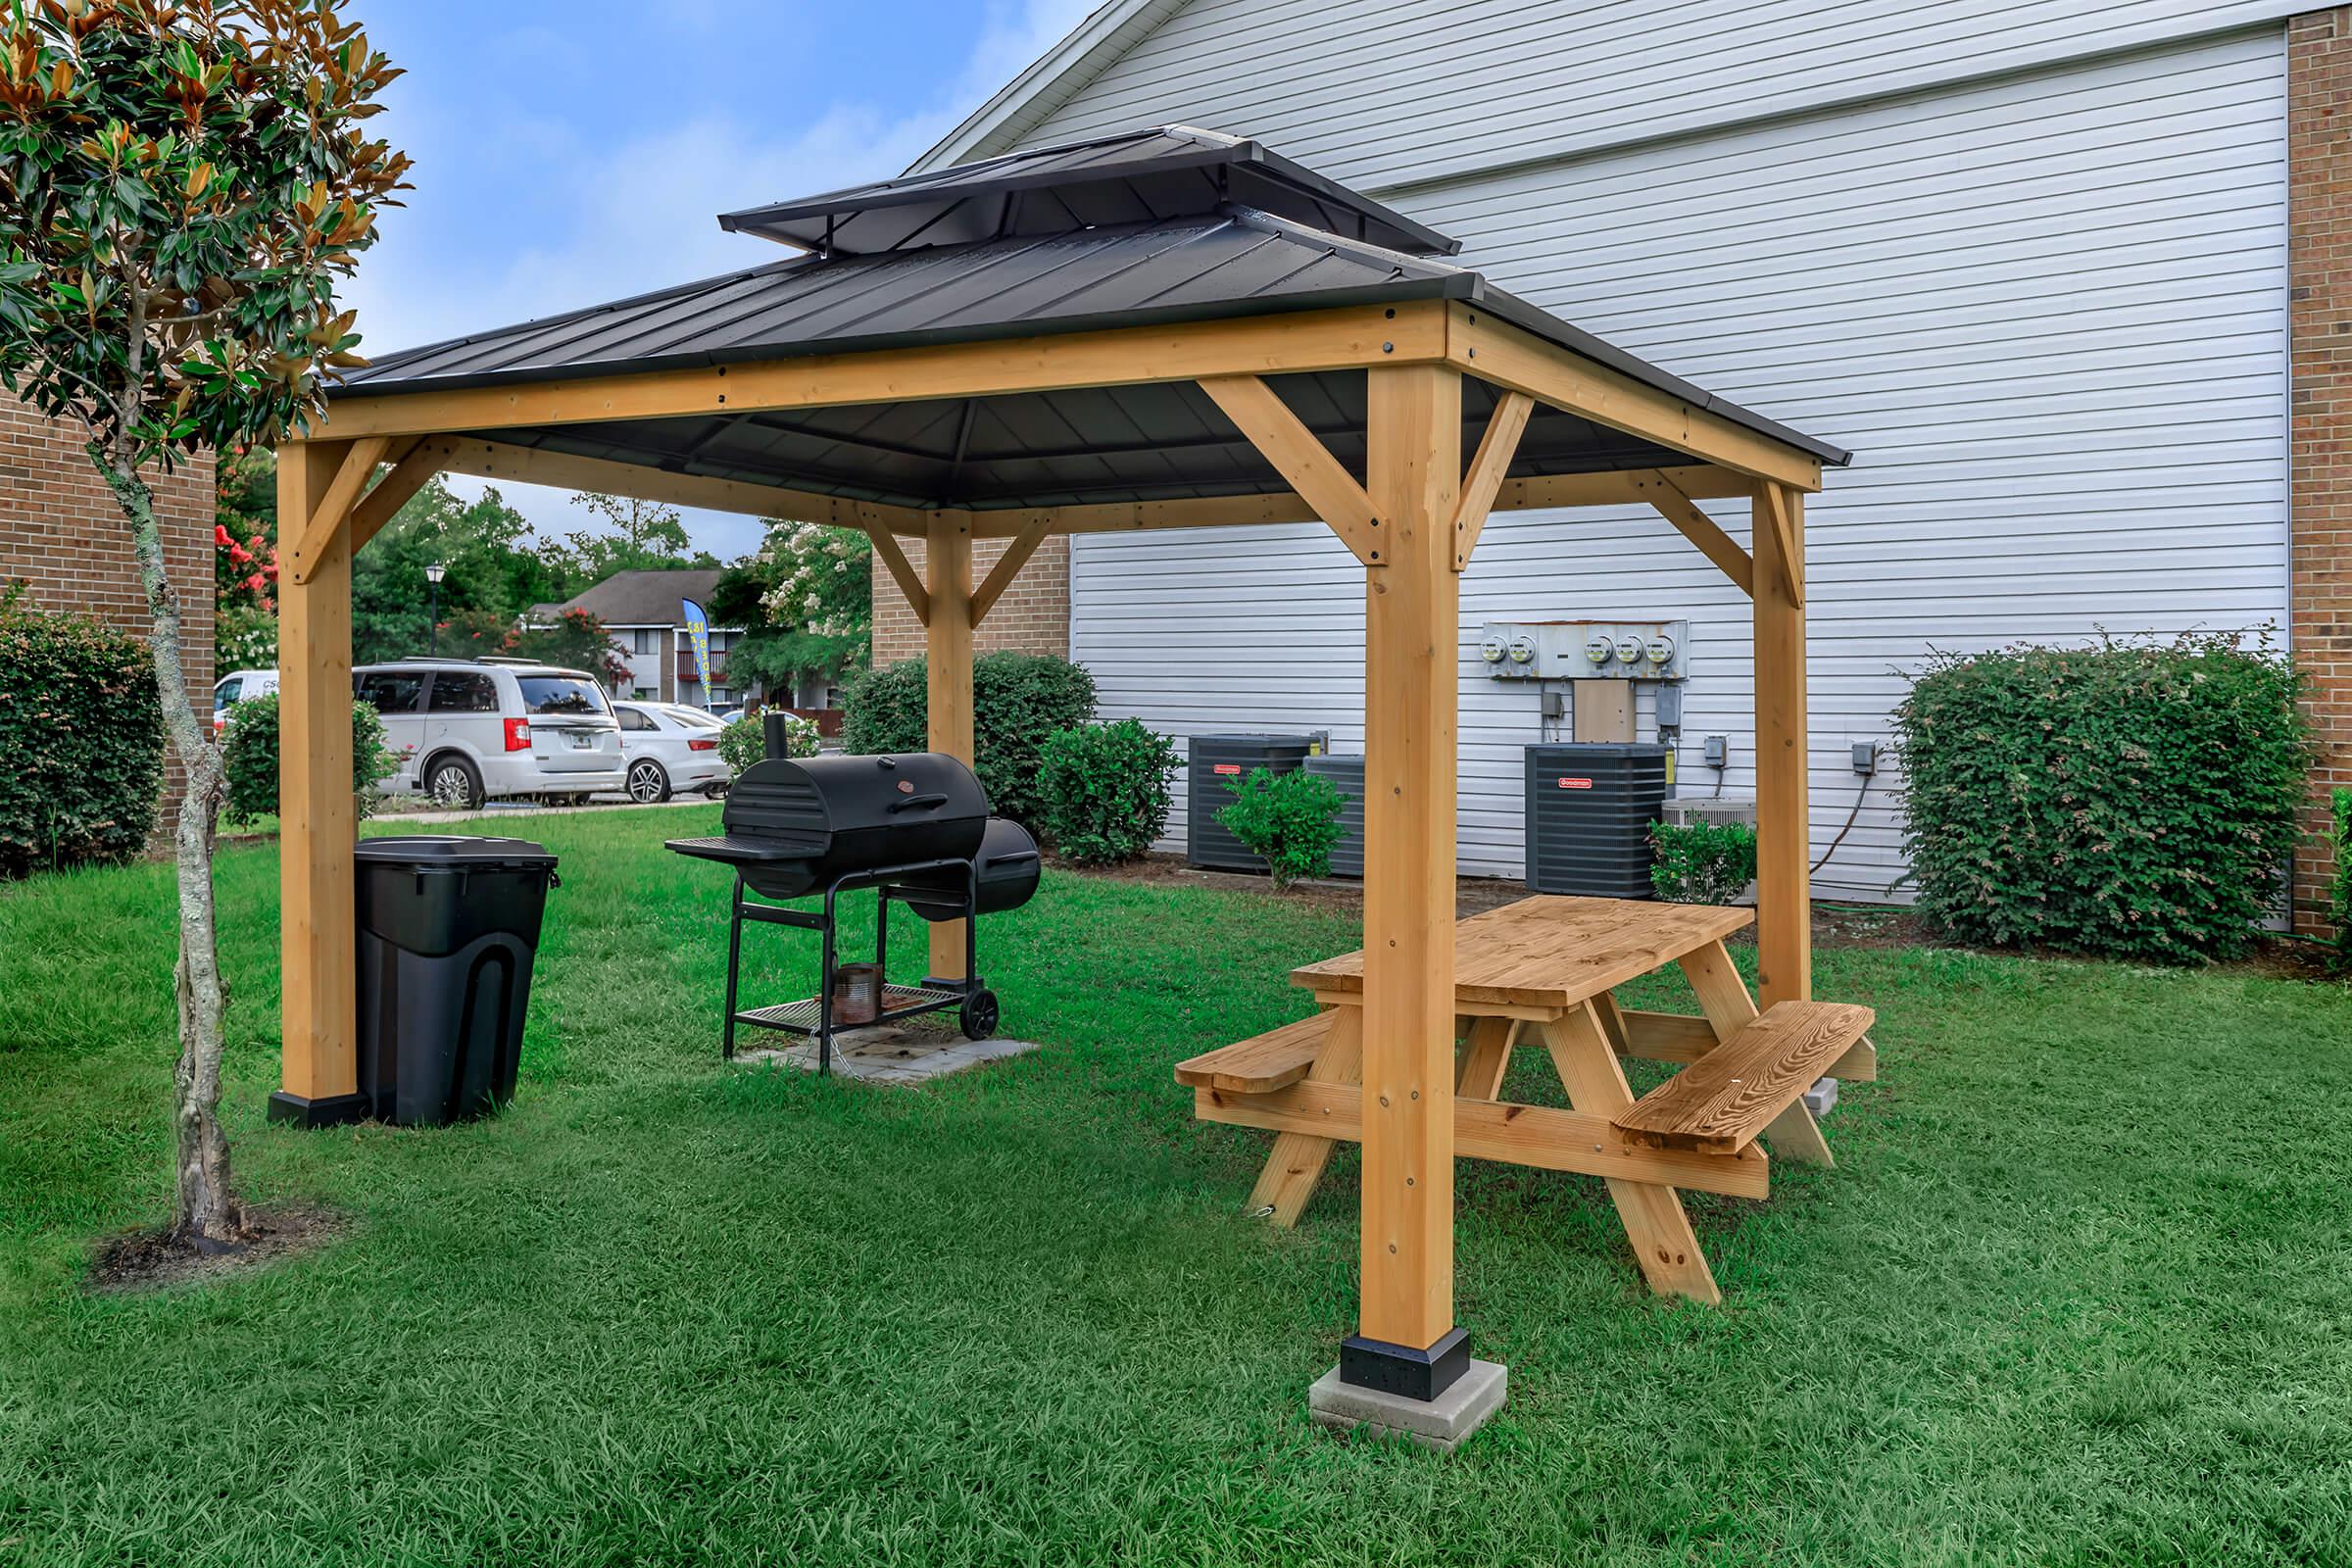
(1380, 93)
(2048, 311)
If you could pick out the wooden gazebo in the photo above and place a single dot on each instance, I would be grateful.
(1167, 329)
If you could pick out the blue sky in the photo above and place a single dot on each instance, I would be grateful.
(570, 151)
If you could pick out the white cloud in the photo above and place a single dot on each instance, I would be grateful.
(644, 213)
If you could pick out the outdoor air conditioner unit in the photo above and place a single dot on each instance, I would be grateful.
(1213, 760)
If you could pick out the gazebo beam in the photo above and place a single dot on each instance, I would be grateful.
(1494, 351)
(1546, 492)
(1784, 838)
(500, 459)
(1276, 344)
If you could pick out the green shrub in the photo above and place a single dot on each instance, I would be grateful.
(1702, 863)
(249, 756)
(1106, 790)
(1017, 701)
(745, 740)
(82, 740)
(2135, 798)
(1292, 819)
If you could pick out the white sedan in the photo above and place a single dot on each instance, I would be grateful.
(670, 749)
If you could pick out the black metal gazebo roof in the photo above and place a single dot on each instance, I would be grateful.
(1163, 226)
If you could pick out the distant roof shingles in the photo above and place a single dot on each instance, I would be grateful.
(641, 598)
(1198, 253)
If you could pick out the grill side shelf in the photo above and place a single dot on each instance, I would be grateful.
(736, 851)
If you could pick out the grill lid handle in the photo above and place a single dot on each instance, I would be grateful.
(909, 801)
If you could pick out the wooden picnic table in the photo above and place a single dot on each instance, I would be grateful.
(1543, 970)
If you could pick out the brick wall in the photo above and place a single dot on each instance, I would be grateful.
(2319, 79)
(1032, 617)
(62, 535)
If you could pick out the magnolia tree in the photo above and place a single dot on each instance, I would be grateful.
(805, 600)
(182, 184)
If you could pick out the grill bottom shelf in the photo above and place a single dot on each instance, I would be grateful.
(898, 1002)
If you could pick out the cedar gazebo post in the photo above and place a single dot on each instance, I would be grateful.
(1407, 1342)
(318, 1072)
(1784, 838)
(1195, 365)
(948, 668)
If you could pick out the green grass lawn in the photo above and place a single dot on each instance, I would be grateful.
(2079, 1292)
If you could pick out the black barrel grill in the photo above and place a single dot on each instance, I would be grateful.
(915, 827)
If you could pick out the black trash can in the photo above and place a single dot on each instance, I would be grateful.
(448, 929)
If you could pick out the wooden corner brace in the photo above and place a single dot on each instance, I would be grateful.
(1009, 566)
(349, 502)
(902, 570)
(1776, 510)
(1484, 481)
(1285, 441)
(1721, 547)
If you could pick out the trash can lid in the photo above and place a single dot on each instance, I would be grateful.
(452, 851)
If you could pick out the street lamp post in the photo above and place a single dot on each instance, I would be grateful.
(433, 575)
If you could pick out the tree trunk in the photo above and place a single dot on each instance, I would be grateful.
(205, 1213)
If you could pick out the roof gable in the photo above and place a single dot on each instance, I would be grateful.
(1050, 81)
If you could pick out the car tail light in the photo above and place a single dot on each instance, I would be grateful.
(519, 734)
(702, 745)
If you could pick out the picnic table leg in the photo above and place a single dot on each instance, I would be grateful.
(1723, 997)
(1296, 1163)
(1486, 1056)
(1653, 1217)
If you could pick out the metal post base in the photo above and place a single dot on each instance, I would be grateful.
(327, 1111)
(1402, 1370)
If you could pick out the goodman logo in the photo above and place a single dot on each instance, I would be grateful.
(1576, 783)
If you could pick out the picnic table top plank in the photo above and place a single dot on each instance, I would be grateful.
(1549, 950)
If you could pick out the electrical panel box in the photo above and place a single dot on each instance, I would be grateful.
(1585, 650)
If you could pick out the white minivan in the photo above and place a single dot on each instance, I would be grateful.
(468, 730)
(235, 687)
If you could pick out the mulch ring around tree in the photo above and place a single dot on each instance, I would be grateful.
(155, 1260)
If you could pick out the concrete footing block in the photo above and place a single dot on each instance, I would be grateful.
(1442, 1423)
(1822, 1098)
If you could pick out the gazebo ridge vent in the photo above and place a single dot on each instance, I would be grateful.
(1165, 328)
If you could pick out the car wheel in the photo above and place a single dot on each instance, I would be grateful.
(451, 778)
(648, 783)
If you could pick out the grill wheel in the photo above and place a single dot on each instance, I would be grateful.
(978, 1015)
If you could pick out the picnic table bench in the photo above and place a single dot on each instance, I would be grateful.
(1543, 970)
